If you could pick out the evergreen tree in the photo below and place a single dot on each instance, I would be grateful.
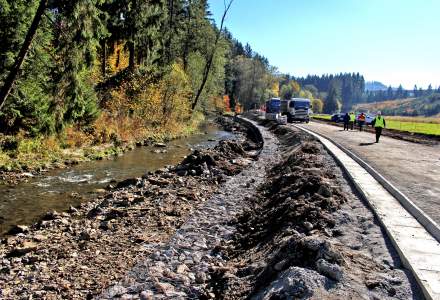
(331, 102)
(429, 91)
(399, 93)
(390, 94)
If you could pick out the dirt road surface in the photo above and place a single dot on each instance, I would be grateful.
(413, 168)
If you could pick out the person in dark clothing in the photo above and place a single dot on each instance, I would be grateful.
(346, 121)
(378, 124)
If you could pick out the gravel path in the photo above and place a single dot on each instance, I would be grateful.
(412, 168)
(179, 268)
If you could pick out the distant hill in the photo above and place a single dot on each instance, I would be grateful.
(375, 86)
(422, 106)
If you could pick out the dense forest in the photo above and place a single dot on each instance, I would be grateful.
(88, 72)
(340, 91)
(157, 60)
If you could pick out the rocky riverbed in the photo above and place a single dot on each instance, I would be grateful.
(79, 253)
(242, 220)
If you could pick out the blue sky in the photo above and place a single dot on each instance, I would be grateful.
(392, 41)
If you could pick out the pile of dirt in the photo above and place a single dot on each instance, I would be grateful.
(287, 242)
(79, 253)
(212, 161)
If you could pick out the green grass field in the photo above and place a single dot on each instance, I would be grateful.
(416, 124)
(417, 127)
(322, 116)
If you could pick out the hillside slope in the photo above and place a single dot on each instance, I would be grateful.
(421, 106)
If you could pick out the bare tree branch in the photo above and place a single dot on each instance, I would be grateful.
(12, 76)
(211, 57)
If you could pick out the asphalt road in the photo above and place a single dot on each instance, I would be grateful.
(413, 168)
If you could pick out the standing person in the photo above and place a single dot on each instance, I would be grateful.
(346, 121)
(361, 121)
(352, 119)
(378, 124)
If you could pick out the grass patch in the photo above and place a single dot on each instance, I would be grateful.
(421, 125)
(416, 127)
(321, 116)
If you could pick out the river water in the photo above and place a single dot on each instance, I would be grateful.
(58, 189)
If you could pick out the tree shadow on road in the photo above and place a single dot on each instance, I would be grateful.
(366, 144)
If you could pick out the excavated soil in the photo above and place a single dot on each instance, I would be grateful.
(306, 235)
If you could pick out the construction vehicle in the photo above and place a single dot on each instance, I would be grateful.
(296, 109)
(273, 111)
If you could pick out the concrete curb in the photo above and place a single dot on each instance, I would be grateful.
(430, 225)
(253, 129)
(413, 259)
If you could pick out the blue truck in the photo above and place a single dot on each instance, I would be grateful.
(273, 109)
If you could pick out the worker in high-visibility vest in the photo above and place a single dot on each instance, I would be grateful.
(352, 120)
(378, 124)
(361, 121)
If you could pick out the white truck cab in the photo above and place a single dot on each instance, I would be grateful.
(296, 109)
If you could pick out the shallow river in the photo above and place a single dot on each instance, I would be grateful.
(58, 189)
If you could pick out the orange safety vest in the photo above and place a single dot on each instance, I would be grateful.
(361, 118)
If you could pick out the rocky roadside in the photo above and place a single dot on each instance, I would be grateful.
(78, 254)
(306, 235)
(183, 267)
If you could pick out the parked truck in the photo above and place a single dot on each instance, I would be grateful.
(273, 111)
(296, 109)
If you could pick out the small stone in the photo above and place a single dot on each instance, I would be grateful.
(332, 271)
(160, 145)
(52, 215)
(146, 295)
(372, 283)
(201, 277)
(181, 269)
(280, 265)
(18, 229)
(308, 226)
(39, 237)
(72, 210)
(164, 287)
(324, 191)
(181, 173)
(85, 236)
(26, 247)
